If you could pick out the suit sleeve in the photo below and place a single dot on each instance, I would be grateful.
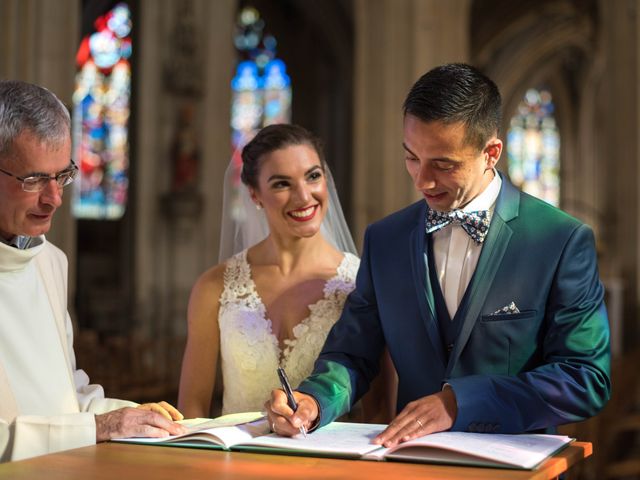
(351, 354)
(573, 381)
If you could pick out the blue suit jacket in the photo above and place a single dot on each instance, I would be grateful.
(544, 366)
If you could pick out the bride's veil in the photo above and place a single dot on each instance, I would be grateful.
(243, 225)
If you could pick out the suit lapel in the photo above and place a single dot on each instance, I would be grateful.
(495, 246)
(422, 284)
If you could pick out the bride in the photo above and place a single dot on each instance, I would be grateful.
(271, 304)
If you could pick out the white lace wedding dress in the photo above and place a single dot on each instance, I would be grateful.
(249, 349)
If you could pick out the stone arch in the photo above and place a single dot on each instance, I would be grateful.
(555, 43)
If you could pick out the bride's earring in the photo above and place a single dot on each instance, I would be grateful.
(258, 206)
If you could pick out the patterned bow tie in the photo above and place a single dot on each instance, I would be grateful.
(476, 224)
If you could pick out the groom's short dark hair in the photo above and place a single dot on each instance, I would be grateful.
(454, 93)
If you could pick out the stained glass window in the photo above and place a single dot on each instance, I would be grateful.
(261, 87)
(533, 147)
(101, 109)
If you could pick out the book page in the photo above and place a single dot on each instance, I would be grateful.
(337, 439)
(232, 419)
(224, 436)
(521, 451)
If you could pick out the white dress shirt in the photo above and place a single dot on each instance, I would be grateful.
(456, 254)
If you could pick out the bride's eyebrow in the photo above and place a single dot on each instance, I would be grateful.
(278, 176)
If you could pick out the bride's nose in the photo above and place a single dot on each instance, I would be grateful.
(302, 193)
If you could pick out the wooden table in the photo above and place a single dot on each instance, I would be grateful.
(115, 461)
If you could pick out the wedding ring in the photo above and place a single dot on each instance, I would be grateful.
(419, 423)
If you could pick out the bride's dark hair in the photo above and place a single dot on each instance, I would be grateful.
(269, 139)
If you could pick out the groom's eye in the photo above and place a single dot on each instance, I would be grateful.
(443, 166)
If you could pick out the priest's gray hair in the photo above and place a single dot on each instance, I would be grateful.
(25, 106)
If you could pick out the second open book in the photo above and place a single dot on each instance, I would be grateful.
(250, 432)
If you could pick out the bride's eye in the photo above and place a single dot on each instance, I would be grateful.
(280, 184)
(315, 175)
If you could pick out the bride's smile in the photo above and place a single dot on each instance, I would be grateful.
(304, 214)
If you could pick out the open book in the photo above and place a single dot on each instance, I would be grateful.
(246, 432)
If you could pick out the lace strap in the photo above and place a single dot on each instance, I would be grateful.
(237, 278)
(343, 281)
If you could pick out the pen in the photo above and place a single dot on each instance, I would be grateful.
(284, 381)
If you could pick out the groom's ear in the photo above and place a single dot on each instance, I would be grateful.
(492, 152)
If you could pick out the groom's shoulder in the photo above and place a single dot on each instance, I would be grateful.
(407, 218)
(539, 212)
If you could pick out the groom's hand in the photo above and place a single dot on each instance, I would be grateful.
(433, 413)
(285, 421)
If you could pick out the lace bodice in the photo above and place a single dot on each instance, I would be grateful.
(251, 352)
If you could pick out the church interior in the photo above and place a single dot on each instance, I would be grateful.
(164, 93)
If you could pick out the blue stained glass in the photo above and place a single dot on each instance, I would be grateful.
(277, 93)
(275, 75)
(261, 88)
(533, 147)
(246, 77)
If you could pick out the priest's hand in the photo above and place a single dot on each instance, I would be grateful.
(134, 422)
(165, 409)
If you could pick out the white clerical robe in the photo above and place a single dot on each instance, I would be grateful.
(46, 404)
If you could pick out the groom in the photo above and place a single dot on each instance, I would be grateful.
(488, 299)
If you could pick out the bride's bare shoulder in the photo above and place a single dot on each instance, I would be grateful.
(211, 280)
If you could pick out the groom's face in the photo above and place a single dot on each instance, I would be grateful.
(446, 169)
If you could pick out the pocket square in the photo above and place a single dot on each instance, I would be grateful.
(507, 310)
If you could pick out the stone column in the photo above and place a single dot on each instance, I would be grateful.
(619, 158)
(396, 41)
(176, 236)
(38, 42)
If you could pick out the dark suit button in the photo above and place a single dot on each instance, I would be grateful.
(450, 347)
(481, 428)
(496, 428)
(472, 427)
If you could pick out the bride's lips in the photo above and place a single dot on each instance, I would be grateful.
(303, 214)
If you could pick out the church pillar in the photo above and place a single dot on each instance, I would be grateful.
(188, 65)
(396, 42)
(38, 42)
(620, 149)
